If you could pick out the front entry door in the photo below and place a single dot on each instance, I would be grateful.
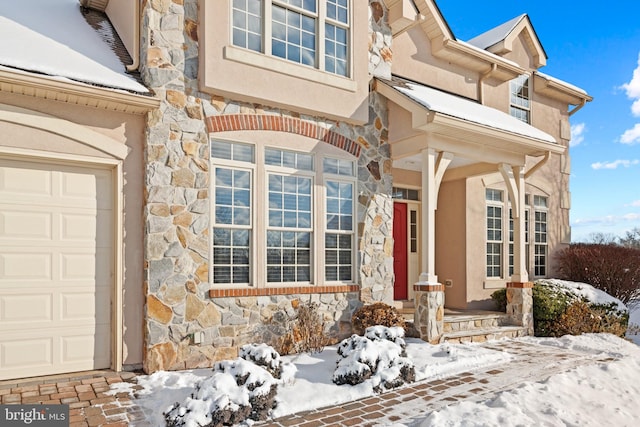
(400, 286)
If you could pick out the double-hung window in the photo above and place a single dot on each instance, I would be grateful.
(281, 217)
(315, 33)
(520, 101)
(495, 206)
(540, 235)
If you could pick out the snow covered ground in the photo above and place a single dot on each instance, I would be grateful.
(594, 394)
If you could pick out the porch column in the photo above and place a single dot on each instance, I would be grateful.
(429, 294)
(519, 289)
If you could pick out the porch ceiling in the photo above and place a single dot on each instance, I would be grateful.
(471, 131)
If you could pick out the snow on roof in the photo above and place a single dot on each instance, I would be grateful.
(497, 34)
(52, 37)
(466, 109)
(562, 82)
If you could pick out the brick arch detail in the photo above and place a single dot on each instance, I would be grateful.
(232, 122)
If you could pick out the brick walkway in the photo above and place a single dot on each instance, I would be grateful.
(87, 394)
(531, 362)
(91, 404)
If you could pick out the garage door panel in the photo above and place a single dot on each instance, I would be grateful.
(22, 353)
(56, 268)
(20, 309)
(25, 265)
(22, 224)
(22, 181)
(90, 307)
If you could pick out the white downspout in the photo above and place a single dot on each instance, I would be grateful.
(483, 76)
(136, 35)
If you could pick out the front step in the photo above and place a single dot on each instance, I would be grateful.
(482, 334)
(465, 326)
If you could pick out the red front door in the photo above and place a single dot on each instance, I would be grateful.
(400, 289)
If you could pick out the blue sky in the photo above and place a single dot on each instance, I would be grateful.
(596, 46)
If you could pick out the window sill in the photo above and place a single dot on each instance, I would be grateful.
(288, 290)
(282, 66)
(495, 283)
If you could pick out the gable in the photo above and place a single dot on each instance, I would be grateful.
(505, 39)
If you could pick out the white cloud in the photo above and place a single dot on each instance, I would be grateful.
(614, 164)
(631, 136)
(633, 90)
(577, 134)
(635, 203)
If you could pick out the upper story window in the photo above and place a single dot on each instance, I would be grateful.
(309, 32)
(520, 99)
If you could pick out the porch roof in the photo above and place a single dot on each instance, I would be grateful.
(462, 126)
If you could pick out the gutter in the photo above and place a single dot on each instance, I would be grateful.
(583, 102)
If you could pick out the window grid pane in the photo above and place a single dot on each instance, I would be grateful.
(288, 256)
(520, 98)
(231, 249)
(339, 206)
(290, 159)
(232, 197)
(247, 24)
(339, 257)
(336, 49)
(293, 36)
(290, 202)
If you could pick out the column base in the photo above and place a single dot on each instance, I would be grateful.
(429, 314)
(520, 305)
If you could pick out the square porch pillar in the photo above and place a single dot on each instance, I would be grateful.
(428, 318)
(520, 305)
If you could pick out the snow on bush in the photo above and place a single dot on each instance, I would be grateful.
(379, 356)
(586, 292)
(238, 390)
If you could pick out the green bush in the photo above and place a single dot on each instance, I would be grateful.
(558, 311)
(499, 298)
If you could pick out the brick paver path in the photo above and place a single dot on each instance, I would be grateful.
(91, 403)
(532, 362)
(87, 394)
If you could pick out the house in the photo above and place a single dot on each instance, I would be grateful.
(335, 152)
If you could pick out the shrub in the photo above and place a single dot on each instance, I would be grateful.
(376, 314)
(304, 332)
(611, 268)
(560, 310)
(378, 356)
(499, 298)
(239, 390)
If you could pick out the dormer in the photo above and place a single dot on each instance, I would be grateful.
(501, 40)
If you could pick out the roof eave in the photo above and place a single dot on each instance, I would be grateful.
(46, 87)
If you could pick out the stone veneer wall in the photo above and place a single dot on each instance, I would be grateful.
(181, 309)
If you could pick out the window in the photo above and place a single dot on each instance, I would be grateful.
(520, 100)
(540, 236)
(314, 33)
(494, 232)
(308, 222)
(405, 193)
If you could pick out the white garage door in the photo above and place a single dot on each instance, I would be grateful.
(56, 268)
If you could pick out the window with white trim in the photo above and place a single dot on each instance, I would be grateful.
(315, 33)
(520, 105)
(495, 206)
(308, 223)
(540, 236)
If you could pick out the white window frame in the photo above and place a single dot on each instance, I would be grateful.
(260, 213)
(495, 204)
(520, 105)
(540, 270)
(321, 19)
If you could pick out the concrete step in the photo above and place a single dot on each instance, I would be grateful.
(482, 334)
